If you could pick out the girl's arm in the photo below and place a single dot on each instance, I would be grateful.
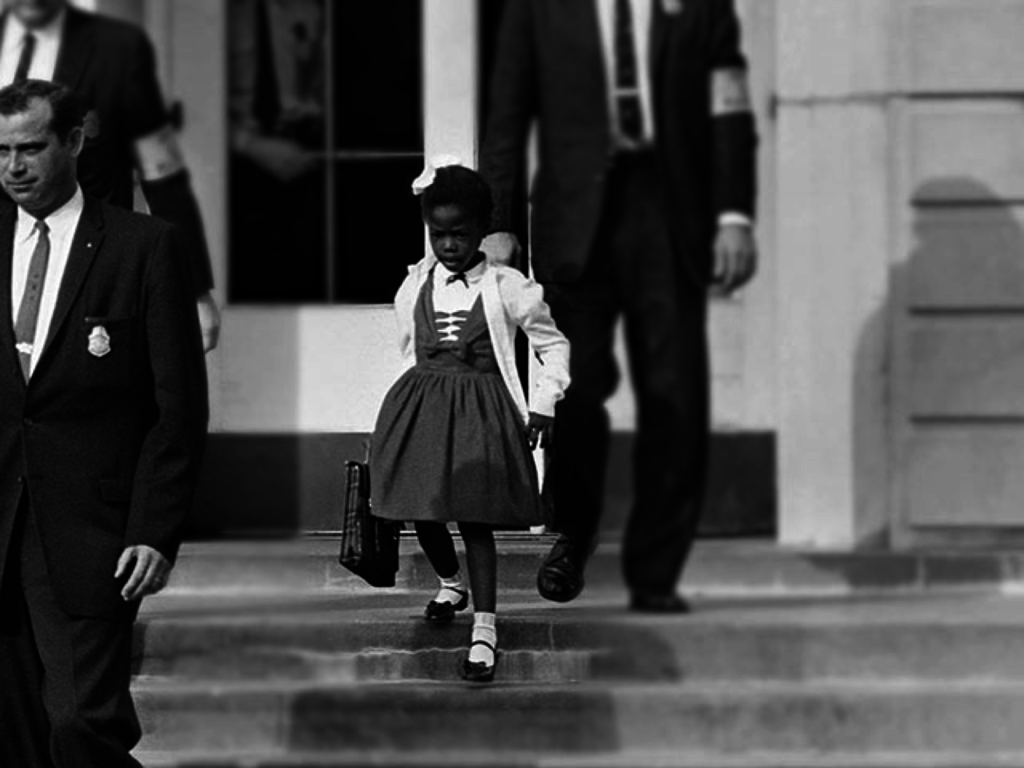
(405, 301)
(531, 313)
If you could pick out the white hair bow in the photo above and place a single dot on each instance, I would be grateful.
(426, 178)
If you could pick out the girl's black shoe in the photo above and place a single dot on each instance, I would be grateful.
(443, 612)
(477, 671)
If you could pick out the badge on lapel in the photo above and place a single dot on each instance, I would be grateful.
(672, 7)
(99, 341)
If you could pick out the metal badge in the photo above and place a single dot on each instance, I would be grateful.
(99, 341)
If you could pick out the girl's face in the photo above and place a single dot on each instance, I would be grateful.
(454, 235)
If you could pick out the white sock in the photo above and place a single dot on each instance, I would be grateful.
(447, 593)
(484, 629)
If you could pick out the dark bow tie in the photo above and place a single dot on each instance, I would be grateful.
(461, 276)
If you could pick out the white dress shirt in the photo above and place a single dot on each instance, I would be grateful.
(642, 18)
(456, 296)
(62, 223)
(641, 44)
(44, 60)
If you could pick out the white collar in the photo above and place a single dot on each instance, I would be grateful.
(50, 31)
(58, 221)
(472, 274)
(16, 30)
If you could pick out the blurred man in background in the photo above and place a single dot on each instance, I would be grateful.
(643, 199)
(111, 65)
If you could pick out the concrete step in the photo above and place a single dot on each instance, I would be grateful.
(729, 717)
(633, 759)
(374, 665)
(718, 567)
(256, 670)
(352, 638)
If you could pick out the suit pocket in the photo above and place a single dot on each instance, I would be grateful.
(110, 321)
(109, 512)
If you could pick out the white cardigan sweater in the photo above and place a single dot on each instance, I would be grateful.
(509, 300)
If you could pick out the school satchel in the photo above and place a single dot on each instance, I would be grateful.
(369, 545)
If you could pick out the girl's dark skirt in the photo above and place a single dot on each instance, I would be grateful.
(450, 445)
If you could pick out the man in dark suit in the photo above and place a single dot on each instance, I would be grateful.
(112, 67)
(643, 197)
(103, 413)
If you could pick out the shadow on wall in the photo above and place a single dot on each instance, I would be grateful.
(964, 249)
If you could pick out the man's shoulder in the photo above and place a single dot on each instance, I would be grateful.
(128, 222)
(108, 31)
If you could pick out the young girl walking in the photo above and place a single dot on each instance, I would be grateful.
(454, 436)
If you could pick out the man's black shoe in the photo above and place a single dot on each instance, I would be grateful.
(560, 578)
(644, 602)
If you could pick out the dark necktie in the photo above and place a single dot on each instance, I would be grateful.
(627, 92)
(456, 278)
(28, 49)
(28, 312)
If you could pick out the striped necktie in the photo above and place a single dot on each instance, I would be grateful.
(28, 311)
(627, 86)
(28, 49)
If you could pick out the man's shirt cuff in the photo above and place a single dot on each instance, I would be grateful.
(733, 218)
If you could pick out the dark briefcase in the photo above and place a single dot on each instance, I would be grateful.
(369, 545)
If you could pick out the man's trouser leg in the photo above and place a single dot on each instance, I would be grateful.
(85, 670)
(666, 341)
(24, 724)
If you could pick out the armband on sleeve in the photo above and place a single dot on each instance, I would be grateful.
(730, 92)
(159, 155)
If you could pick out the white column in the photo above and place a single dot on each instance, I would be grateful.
(450, 78)
(833, 270)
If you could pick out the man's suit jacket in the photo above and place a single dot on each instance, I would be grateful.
(111, 66)
(550, 68)
(108, 447)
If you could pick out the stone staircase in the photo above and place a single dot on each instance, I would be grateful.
(269, 655)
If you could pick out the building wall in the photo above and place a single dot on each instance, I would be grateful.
(957, 274)
(900, 151)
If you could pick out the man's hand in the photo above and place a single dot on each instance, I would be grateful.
(541, 429)
(283, 159)
(735, 257)
(500, 247)
(148, 576)
(209, 321)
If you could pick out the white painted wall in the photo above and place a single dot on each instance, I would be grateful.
(833, 270)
